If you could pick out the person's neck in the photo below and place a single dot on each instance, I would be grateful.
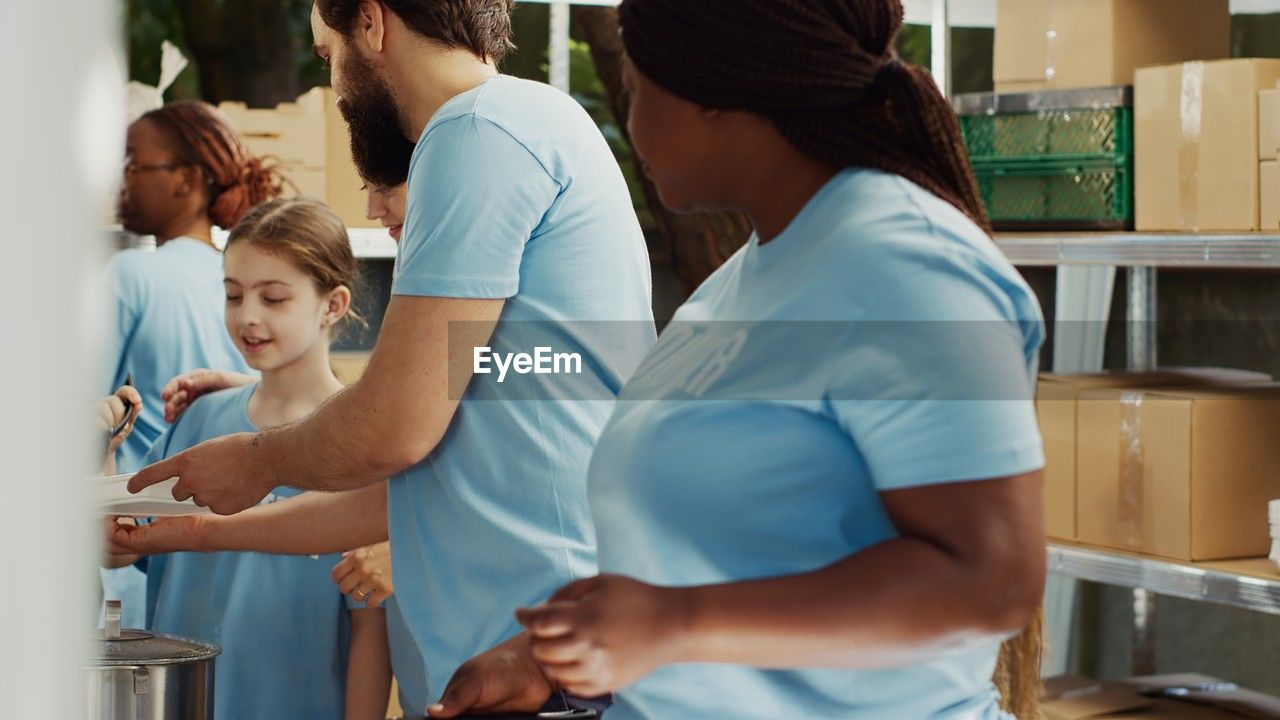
(293, 392)
(778, 187)
(431, 77)
(197, 228)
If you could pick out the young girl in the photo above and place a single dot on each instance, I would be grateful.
(292, 645)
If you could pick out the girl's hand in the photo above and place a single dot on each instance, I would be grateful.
(116, 556)
(183, 390)
(598, 635)
(113, 410)
(365, 574)
(161, 535)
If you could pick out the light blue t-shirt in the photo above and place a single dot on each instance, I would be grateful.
(168, 311)
(406, 661)
(168, 308)
(880, 342)
(281, 621)
(514, 194)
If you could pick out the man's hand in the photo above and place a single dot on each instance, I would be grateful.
(226, 474)
(504, 679)
(183, 390)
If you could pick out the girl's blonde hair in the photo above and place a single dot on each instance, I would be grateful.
(309, 235)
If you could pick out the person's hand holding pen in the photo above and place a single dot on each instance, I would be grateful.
(118, 413)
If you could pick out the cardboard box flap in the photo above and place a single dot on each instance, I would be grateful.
(1095, 701)
(1156, 378)
(1240, 701)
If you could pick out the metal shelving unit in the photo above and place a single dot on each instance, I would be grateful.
(1251, 585)
(1138, 249)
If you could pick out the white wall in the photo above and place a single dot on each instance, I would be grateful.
(60, 135)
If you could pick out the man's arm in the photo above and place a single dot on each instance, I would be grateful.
(397, 412)
(312, 523)
(388, 421)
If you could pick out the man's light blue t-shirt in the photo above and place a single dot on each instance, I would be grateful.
(168, 311)
(281, 621)
(881, 342)
(514, 194)
(168, 308)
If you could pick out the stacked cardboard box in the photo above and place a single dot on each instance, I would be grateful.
(310, 141)
(349, 365)
(1057, 409)
(1198, 145)
(1269, 156)
(1181, 473)
(1059, 44)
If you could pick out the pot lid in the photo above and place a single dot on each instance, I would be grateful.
(115, 646)
(137, 647)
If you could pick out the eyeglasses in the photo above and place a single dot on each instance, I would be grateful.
(132, 168)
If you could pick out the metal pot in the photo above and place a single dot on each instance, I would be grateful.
(136, 675)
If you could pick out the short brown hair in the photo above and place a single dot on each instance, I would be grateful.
(481, 26)
(309, 235)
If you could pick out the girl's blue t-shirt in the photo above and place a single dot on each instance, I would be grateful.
(881, 342)
(282, 623)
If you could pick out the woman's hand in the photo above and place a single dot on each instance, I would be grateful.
(126, 403)
(504, 679)
(365, 574)
(183, 390)
(597, 635)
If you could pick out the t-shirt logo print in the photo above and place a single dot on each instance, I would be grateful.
(691, 358)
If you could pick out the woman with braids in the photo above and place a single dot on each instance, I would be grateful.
(853, 526)
(185, 171)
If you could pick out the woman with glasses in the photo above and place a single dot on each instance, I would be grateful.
(185, 171)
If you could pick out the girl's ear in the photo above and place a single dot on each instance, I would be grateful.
(337, 305)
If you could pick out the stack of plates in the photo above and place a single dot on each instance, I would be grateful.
(1274, 510)
(110, 496)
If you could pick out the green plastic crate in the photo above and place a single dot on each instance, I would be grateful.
(1081, 126)
(1074, 135)
(1053, 159)
(1051, 195)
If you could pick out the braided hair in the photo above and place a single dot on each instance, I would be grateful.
(826, 74)
(201, 137)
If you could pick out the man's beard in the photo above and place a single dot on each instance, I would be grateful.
(378, 146)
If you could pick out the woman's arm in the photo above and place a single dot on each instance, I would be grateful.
(310, 524)
(968, 566)
(368, 666)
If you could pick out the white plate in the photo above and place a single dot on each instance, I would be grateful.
(111, 496)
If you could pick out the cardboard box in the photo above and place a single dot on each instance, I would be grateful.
(1180, 473)
(343, 187)
(1058, 44)
(1269, 195)
(349, 365)
(1056, 410)
(290, 133)
(1071, 697)
(1195, 137)
(311, 142)
(1269, 124)
(306, 182)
